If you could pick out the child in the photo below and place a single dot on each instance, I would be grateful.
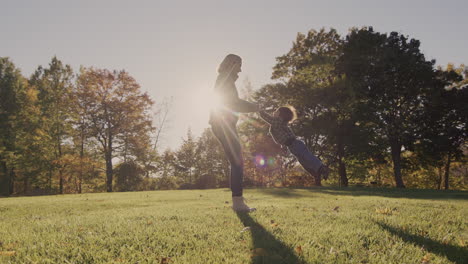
(283, 135)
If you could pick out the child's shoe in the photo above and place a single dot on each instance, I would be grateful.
(324, 171)
(315, 175)
(239, 205)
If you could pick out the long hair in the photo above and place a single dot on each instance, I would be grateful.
(228, 63)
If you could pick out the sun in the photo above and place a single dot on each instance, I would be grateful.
(201, 102)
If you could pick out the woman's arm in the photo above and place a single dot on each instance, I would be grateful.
(241, 106)
(227, 92)
(268, 118)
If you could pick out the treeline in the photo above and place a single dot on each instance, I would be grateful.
(369, 104)
(374, 108)
(61, 131)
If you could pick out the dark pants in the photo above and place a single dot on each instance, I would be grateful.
(227, 135)
(309, 161)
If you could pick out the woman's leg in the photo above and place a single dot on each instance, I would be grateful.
(227, 136)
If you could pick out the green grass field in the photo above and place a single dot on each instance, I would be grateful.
(317, 225)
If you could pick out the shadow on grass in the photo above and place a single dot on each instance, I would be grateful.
(373, 191)
(281, 192)
(267, 248)
(454, 253)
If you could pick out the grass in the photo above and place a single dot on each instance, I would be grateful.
(318, 225)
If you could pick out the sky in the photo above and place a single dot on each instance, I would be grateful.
(172, 48)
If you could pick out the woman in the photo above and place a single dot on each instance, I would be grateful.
(223, 120)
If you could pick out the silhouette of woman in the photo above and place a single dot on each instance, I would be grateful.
(223, 121)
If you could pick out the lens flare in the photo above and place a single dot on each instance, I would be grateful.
(271, 161)
(260, 160)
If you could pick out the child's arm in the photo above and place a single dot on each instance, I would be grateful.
(266, 117)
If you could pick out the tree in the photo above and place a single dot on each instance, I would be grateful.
(186, 158)
(14, 96)
(323, 102)
(129, 176)
(212, 165)
(150, 159)
(444, 126)
(55, 85)
(117, 113)
(390, 78)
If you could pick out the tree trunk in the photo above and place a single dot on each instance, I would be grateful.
(343, 175)
(59, 149)
(50, 180)
(396, 157)
(60, 182)
(447, 172)
(4, 180)
(341, 154)
(439, 183)
(341, 164)
(26, 185)
(80, 177)
(12, 182)
(12, 179)
(109, 171)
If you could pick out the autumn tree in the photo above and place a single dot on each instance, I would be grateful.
(186, 158)
(55, 85)
(320, 96)
(117, 114)
(13, 99)
(211, 165)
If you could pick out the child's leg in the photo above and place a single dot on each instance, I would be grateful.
(308, 160)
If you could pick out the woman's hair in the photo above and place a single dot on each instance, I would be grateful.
(287, 113)
(228, 62)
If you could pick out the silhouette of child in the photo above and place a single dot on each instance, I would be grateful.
(283, 135)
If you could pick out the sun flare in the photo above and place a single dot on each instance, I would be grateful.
(202, 101)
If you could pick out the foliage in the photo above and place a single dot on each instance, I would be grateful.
(129, 176)
(117, 114)
(392, 80)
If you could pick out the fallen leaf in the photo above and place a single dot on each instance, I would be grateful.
(298, 250)
(9, 246)
(336, 208)
(274, 225)
(7, 253)
(426, 259)
(149, 223)
(385, 211)
(165, 260)
(226, 202)
(258, 252)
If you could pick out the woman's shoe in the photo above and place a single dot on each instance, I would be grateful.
(239, 205)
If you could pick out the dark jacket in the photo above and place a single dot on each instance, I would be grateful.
(230, 104)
